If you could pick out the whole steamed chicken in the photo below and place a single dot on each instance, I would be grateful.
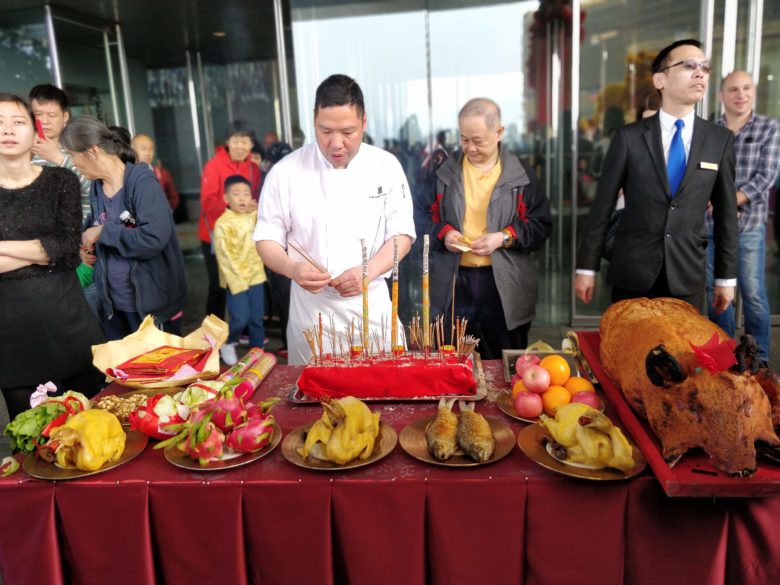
(346, 430)
(589, 437)
(88, 440)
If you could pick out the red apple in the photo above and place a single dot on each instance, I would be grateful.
(525, 361)
(515, 379)
(536, 379)
(590, 399)
(528, 404)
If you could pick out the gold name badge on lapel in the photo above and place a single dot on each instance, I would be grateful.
(708, 166)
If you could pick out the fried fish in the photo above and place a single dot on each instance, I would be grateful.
(441, 432)
(474, 434)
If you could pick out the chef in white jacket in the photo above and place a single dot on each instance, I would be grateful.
(323, 199)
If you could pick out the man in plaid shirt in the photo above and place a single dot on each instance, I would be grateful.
(757, 149)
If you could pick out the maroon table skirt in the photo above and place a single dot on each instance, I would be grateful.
(398, 521)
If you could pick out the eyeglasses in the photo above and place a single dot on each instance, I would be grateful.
(691, 65)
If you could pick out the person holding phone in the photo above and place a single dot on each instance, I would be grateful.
(50, 107)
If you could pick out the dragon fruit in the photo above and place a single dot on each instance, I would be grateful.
(261, 409)
(199, 439)
(204, 443)
(252, 435)
(227, 410)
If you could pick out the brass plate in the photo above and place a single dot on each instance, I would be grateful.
(297, 397)
(413, 441)
(40, 469)
(531, 442)
(180, 459)
(383, 446)
(507, 406)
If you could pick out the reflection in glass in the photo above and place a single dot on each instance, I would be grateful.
(24, 57)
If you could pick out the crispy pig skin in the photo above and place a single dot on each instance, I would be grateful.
(723, 413)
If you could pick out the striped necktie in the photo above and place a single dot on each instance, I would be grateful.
(675, 166)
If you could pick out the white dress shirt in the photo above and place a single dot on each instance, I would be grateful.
(305, 200)
(668, 129)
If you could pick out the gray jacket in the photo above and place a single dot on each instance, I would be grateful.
(518, 204)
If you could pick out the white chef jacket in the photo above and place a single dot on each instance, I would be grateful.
(305, 200)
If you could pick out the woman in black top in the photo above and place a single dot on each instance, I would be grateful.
(46, 326)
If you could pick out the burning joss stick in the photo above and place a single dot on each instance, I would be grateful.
(394, 313)
(365, 292)
(319, 338)
(426, 296)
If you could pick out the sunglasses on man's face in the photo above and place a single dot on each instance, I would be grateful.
(691, 65)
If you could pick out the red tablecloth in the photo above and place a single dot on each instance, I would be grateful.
(398, 521)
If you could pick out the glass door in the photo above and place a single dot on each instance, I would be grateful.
(88, 59)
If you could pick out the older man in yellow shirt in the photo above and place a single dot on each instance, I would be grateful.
(486, 217)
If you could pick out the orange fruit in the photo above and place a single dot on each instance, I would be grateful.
(578, 384)
(558, 368)
(554, 397)
(518, 387)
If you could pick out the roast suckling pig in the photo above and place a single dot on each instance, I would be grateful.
(646, 350)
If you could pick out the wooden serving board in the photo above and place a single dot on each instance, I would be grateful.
(693, 475)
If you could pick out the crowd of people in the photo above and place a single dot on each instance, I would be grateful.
(88, 245)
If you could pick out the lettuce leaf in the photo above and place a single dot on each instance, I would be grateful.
(26, 428)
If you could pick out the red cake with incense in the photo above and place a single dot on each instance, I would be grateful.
(408, 376)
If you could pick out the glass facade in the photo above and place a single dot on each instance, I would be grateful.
(24, 52)
(418, 62)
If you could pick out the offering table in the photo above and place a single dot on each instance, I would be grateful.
(398, 521)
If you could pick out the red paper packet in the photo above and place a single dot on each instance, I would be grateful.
(163, 362)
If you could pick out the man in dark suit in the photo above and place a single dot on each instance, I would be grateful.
(669, 166)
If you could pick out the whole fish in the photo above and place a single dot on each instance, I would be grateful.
(441, 432)
(474, 434)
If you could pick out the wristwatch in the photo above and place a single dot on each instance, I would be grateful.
(507, 238)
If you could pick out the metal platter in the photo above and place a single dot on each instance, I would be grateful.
(507, 406)
(180, 459)
(383, 446)
(413, 441)
(40, 469)
(532, 442)
(296, 396)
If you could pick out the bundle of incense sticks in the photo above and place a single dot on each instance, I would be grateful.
(460, 331)
(466, 345)
(415, 332)
(438, 330)
(306, 256)
(311, 335)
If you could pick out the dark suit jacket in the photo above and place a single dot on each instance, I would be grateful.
(656, 228)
